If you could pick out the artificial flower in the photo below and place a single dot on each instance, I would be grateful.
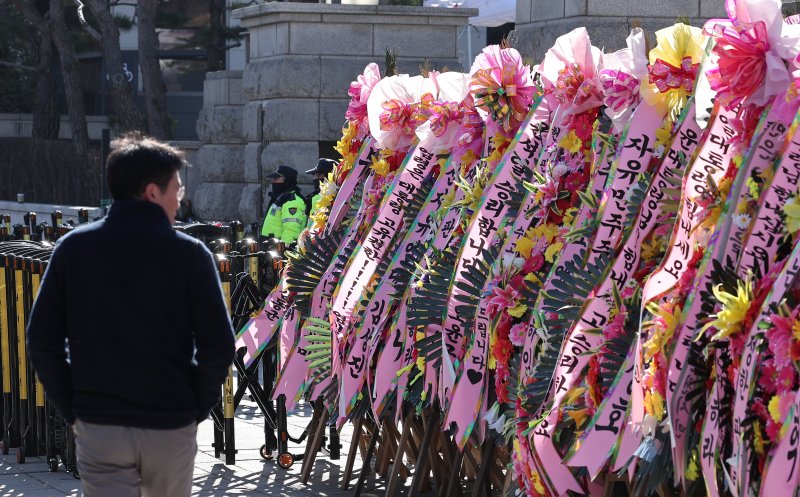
(730, 318)
(501, 86)
(673, 68)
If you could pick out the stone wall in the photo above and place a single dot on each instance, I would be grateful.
(223, 188)
(540, 22)
(301, 60)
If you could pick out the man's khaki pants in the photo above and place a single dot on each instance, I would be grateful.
(120, 461)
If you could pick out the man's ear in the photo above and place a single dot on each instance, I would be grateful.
(150, 191)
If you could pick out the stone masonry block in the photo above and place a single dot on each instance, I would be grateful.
(236, 92)
(338, 72)
(419, 41)
(220, 163)
(574, 8)
(648, 8)
(249, 205)
(226, 124)
(330, 38)
(217, 201)
(266, 41)
(331, 118)
(251, 122)
(202, 126)
(523, 15)
(297, 154)
(376, 19)
(252, 162)
(544, 10)
(291, 119)
(713, 8)
(282, 76)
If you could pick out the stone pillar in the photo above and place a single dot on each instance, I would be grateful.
(226, 189)
(540, 22)
(302, 58)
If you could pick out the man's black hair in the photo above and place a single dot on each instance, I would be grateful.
(138, 160)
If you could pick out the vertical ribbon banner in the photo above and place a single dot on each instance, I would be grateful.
(259, 330)
(341, 203)
(294, 371)
(365, 261)
(406, 254)
(604, 432)
(767, 226)
(710, 161)
(483, 231)
(768, 138)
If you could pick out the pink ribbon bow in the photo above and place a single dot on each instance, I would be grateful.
(667, 77)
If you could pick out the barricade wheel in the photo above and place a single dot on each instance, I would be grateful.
(265, 454)
(21, 455)
(52, 464)
(285, 460)
(4, 447)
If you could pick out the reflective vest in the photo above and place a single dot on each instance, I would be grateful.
(285, 218)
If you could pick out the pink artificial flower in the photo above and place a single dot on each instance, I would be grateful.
(501, 86)
(779, 339)
(359, 92)
(533, 263)
(517, 334)
(742, 66)
(569, 73)
(583, 125)
(502, 298)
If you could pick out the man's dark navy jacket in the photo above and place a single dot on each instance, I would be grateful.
(140, 307)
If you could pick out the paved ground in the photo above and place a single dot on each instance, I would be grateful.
(251, 475)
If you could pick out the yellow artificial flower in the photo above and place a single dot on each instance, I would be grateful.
(674, 43)
(552, 251)
(753, 187)
(548, 231)
(766, 174)
(743, 207)
(531, 277)
(571, 142)
(569, 216)
(692, 469)
(664, 133)
(518, 310)
(380, 166)
(579, 416)
(467, 159)
(524, 246)
(663, 326)
(792, 212)
(537, 481)
(654, 404)
(774, 408)
(574, 395)
(796, 330)
(650, 248)
(758, 440)
(728, 320)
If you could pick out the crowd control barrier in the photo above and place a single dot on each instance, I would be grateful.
(249, 267)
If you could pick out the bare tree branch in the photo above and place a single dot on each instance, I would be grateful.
(18, 66)
(84, 24)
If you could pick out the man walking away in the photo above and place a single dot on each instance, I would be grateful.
(130, 334)
(286, 211)
(320, 172)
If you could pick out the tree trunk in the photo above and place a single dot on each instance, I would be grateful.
(130, 119)
(216, 39)
(153, 80)
(46, 119)
(72, 86)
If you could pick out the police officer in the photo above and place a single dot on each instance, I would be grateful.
(286, 212)
(320, 172)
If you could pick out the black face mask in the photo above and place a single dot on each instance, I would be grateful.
(279, 189)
